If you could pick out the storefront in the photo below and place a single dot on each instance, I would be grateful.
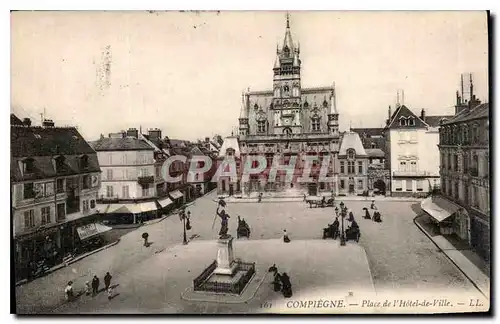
(89, 237)
(166, 205)
(177, 197)
(443, 212)
(130, 213)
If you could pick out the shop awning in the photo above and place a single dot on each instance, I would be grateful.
(439, 208)
(165, 202)
(90, 230)
(124, 209)
(147, 206)
(102, 208)
(176, 194)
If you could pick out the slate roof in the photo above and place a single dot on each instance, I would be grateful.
(405, 112)
(434, 121)
(121, 144)
(42, 145)
(230, 142)
(351, 140)
(14, 120)
(376, 152)
(480, 111)
(369, 131)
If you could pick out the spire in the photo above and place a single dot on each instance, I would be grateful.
(277, 64)
(296, 61)
(288, 42)
(333, 102)
(243, 112)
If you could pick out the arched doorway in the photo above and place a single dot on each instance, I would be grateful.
(379, 187)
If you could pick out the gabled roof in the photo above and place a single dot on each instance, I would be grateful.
(404, 112)
(121, 144)
(351, 140)
(47, 141)
(480, 111)
(230, 142)
(196, 151)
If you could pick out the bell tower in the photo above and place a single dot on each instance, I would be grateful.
(286, 80)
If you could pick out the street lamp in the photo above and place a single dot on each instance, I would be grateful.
(183, 217)
(342, 213)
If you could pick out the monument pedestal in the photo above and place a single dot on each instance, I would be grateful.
(225, 258)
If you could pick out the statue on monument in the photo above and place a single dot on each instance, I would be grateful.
(224, 220)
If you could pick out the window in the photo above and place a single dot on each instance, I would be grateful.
(402, 122)
(124, 158)
(145, 190)
(322, 186)
(420, 185)
(411, 121)
(455, 162)
(342, 167)
(85, 205)
(360, 184)
(61, 212)
(409, 185)
(342, 184)
(465, 162)
(92, 204)
(60, 164)
(475, 197)
(486, 165)
(125, 192)
(28, 192)
(402, 166)
(398, 185)
(456, 191)
(316, 125)
(109, 174)
(29, 218)
(351, 154)
(28, 166)
(350, 167)
(261, 126)
(158, 172)
(86, 181)
(443, 186)
(109, 191)
(45, 215)
(60, 185)
(373, 145)
(110, 159)
(360, 167)
(84, 162)
(413, 166)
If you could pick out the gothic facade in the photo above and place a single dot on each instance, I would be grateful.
(289, 120)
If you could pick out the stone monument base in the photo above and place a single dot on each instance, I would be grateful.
(225, 257)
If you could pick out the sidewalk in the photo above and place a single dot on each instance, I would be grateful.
(471, 265)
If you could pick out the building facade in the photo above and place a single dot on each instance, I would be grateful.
(465, 170)
(353, 162)
(128, 193)
(412, 153)
(288, 121)
(54, 188)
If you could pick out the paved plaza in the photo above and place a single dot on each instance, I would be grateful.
(398, 258)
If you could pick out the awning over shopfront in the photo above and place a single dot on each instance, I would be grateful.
(90, 230)
(439, 208)
(165, 202)
(176, 194)
(124, 209)
(147, 206)
(102, 208)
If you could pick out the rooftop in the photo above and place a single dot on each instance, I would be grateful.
(121, 144)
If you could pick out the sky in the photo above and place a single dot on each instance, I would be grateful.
(184, 72)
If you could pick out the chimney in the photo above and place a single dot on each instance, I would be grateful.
(133, 132)
(102, 135)
(48, 123)
(154, 133)
(27, 122)
(207, 139)
(422, 114)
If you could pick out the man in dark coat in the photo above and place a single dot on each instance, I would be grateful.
(286, 285)
(95, 285)
(107, 280)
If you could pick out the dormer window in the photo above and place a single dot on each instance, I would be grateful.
(306, 104)
(261, 126)
(230, 152)
(28, 166)
(256, 106)
(411, 122)
(373, 145)
(351, 154)
(325, 103)
(59, 163)
(84, 162)
(402, 122)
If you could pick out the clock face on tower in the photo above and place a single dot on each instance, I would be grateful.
(287, 121)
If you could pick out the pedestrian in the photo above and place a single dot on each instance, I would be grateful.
(95, 285)
(69, 291)
(87, 288)
(107, 280)
(286, 239)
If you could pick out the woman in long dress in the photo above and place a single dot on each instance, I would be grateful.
(286, 239)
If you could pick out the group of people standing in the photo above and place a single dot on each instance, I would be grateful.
(281, 282)
(91, 288)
